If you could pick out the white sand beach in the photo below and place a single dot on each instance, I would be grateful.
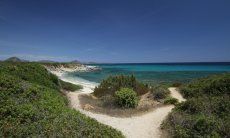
(62, 74)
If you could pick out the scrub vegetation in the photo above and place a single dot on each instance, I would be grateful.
(206, 113)
(32, 105)
(126, 98)
(114, 83)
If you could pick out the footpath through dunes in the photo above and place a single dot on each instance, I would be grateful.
(144, 126)
(176, 94)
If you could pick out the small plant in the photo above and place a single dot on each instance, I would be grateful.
(127, 98)
(160, 93)
(170, 100)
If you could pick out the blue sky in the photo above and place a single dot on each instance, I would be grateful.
(116, 30)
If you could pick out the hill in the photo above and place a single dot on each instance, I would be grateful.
(32, 105)
(15, 59)
(75, 61)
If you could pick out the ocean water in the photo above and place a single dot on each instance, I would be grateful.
(155, 73)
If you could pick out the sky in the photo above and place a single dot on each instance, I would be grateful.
(116, 31)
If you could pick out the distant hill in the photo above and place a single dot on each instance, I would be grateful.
(15, 59)
(75, 61)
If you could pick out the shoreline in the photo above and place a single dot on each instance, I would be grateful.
(87, 86)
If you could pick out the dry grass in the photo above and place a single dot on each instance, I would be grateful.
(106, 105)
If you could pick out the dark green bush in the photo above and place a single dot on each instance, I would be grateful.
(32, 72)
(160, 92)
(170, 100)
(176, 84)
(69, 86)
(126, 98)
(206, 113)
(114, 83)
(215, 85)
(33, 108)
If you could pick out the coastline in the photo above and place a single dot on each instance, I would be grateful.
(62, 73)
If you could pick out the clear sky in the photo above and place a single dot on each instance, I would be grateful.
(116, 30)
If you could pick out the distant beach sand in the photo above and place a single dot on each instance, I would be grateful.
(87, 86)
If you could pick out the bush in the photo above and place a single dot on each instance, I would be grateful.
(32, 72)
(114, 83)
(215, 85)
(127, 98)
(170, 100)
(34, 107)
(160, 92)
(176, 84)
(206, 113)
(69, 86)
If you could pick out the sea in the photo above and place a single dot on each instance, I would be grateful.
(154, 73)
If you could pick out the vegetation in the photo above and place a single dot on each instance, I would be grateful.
(126, 98)
(206, 113)
(33, 106)
(170, 100)
(69, 86)
(216, 85)
(160, 92)
(31, 72)
(176, 84)
(114, 83)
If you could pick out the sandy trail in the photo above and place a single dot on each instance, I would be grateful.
(144, 126)
(176, 94)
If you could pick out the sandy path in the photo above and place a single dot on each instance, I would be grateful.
(144, 126)
(176, 94)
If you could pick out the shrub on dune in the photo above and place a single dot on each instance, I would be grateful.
(114, 83)
(206, 113)
(160, 93)
(170, 100)
(126, 98)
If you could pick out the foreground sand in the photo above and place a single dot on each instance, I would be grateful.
(144, 126)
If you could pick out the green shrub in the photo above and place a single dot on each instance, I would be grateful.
(206, 112)
(170, 100)
(34, 107)
(176, 84)
(160, 92)
(215, 85)
(69, 86)
(32, 72)
(114, 83)
(126, 97)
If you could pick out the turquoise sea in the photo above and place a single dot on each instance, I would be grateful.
(155, 72)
